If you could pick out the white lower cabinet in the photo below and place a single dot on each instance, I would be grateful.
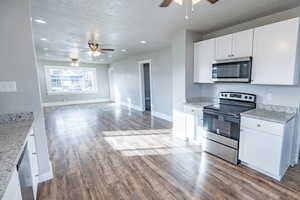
(266, 146)
(193, 124)
(13, 190)
(33, 161)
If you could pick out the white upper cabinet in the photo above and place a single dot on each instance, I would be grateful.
(204, 54)
(274, 53)
(242, 44)
(224, 47)
(235, 45)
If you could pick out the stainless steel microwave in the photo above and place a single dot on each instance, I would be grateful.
(238, 70)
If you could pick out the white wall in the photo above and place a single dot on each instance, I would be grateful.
(183, 73)
(102, 81)
(18, 63)
(126, 84)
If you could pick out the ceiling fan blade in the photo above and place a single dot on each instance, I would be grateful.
(212, 1)
(107, 49)
(166, 3)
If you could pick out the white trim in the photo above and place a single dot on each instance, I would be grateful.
(162, 116)
(141, 85)
(46, 176)
(277, 177)
(65, 103)
(153, 113)
(131, 106)
(49, 92)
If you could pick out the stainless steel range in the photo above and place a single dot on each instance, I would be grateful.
(222, 124)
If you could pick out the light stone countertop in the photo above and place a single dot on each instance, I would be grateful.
(12, 141)
(198, 105)
(281, 117)
(200, 102)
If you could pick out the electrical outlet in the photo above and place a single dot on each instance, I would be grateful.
(8, 86)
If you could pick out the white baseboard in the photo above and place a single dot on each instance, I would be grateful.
(66, 103)
(162, 116)
(46, 176)
(153, 113)
(131, 106)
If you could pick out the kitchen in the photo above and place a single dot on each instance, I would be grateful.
(222, 114)
(263, 137)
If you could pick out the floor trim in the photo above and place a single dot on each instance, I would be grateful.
(153, 113)
(66, 103)
(162, 116)
(131, 106)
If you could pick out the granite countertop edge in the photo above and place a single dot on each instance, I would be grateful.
(287, 116)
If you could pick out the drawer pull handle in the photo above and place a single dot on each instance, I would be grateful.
(37, 175)
(34, 153)
(258, 125)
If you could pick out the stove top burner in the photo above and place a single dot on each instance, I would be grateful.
(233, 103)
(228, 109)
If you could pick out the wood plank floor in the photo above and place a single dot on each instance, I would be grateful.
(105, 152)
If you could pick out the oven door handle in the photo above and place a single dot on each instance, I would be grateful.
(209, 112)
(225, 117)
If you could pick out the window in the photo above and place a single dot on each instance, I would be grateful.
(71, 80)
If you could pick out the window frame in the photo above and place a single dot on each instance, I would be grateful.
(48, 82)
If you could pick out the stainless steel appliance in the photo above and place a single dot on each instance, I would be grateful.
(222, 124)
(25, 176)
(238, 70)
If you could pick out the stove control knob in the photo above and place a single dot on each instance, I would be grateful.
(246, 97)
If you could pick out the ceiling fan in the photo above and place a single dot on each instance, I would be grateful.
(189, 5)
(166, 3)
(96, 49)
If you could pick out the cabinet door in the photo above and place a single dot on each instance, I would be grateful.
(274, 53)
(260, 150)
(196, 62)
(190, 125)
(13, 190)
(204, 58)
(224, 47)
(242, 44)
(33, 162)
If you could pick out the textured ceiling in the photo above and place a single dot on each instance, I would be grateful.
(122, 24)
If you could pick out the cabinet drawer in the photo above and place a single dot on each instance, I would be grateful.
(194, 110)
(260, 125)
(200, 115)
(189, 109)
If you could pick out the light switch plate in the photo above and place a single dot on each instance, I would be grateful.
(8, 86)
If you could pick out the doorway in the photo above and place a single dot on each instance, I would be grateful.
(145, 78)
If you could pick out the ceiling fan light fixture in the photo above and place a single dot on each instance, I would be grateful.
(74, 62)
(94, 53)
(180, 2)
(195, 1)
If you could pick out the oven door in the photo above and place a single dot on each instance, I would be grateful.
(232, 71)
(221, 124)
